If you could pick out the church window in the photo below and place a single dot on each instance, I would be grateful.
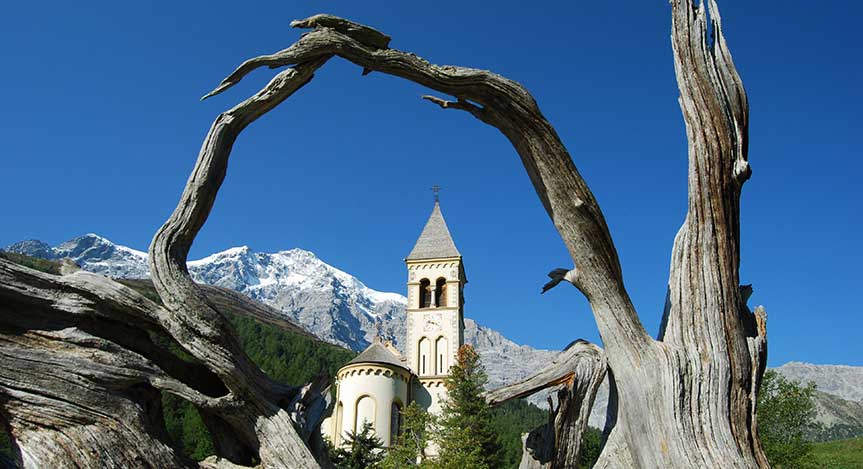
(425, 355)
(440, 292)
(425, 293)
(441, 354)
(365, 413)
(395, 422)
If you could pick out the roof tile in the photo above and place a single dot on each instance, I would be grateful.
(435, 240)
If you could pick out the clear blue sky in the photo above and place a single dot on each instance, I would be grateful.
(101, 125)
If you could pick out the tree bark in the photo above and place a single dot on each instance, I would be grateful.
(686, 399)
(576, 374)
(80, 373)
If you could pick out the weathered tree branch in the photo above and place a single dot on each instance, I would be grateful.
(685, 400)
(259, 423)
(507, 106)
(706, 320)
(89, 330)
(577, 373)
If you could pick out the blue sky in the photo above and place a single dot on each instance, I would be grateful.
(101, 126)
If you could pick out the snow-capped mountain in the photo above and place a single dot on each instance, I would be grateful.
(330, 303)
(339, 308)
(93, 253)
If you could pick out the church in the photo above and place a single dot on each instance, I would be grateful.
(380, 381)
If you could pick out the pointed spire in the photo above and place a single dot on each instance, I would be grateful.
(435, 241)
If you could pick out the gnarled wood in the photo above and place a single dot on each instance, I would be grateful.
(576, 373)
(257, 421)
(686, 399)
(667, 416)
(80, 374)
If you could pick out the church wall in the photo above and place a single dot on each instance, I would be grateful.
(375, 388)
(429, 393)
(432, 270)
(434, 322)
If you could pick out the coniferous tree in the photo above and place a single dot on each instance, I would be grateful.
(361, 450)
(465, 433)
(409, 448)
(509, 421)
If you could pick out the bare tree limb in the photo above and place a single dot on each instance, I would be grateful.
(509, 107)
(686, 400)
(96, 331)
(259, 422)
(577, 373)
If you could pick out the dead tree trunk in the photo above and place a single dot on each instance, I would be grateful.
(686, 399)
(576, 374)
(80, 373)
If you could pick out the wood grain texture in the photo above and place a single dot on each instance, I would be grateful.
(685, 399)
(80, 373)
(576, 374)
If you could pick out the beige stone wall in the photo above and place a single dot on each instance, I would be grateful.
(434, 323)
(429, 393)
(367, 391)
(370, 389)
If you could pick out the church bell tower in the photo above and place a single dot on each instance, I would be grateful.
(435, 310)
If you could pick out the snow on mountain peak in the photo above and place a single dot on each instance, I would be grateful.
(330, 303)
(339, 308)
(222, 255)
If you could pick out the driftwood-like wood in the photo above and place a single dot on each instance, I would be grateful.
(80, 372)
(685, 399)
(576, 373)
(258, 425)
(75, 386)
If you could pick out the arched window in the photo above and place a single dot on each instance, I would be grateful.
(425, 356)
(440, 292)
(395, 422)
(365, 413)
(441, 354)
(425, 293)
(340, 412)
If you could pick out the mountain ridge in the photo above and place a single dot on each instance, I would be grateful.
(330, 303)
(339, 308)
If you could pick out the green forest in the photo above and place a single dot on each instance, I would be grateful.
(288, 357)
(295, 358)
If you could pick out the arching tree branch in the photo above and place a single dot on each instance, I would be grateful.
(686, 400)
(576, 373)
(507, 106)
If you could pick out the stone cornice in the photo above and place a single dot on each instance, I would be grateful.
(359, 369)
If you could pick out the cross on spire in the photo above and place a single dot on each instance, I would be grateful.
(436, 189)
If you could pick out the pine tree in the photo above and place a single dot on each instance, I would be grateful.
(465, 434)
(410, 446)
(362, 450)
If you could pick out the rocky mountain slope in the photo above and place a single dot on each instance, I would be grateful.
(840, 380)
(840, 418)
(330, 303)
(839, 399)
(339, 308)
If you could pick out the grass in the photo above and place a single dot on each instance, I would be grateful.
(840, 454)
